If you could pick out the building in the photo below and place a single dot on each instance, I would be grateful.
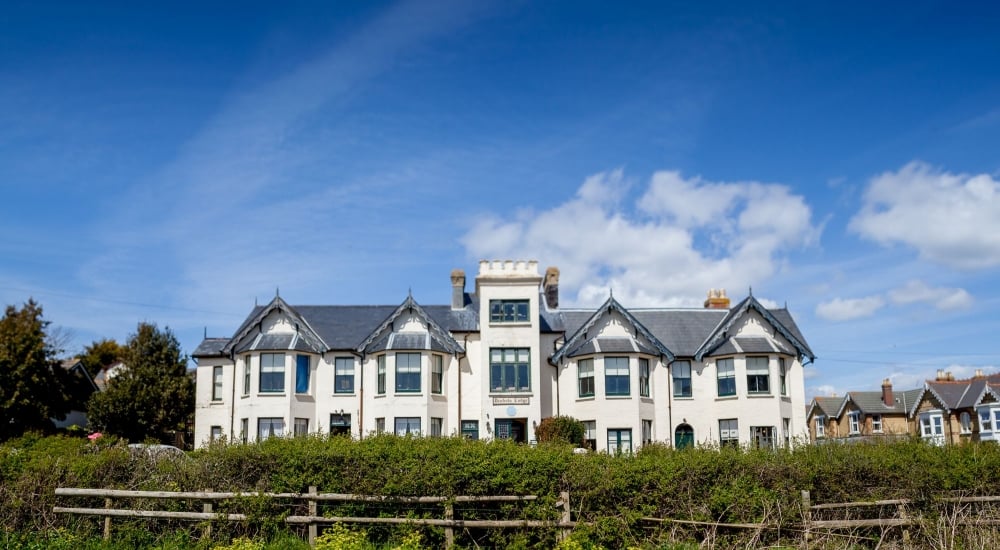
(863, 415)
(497, 360)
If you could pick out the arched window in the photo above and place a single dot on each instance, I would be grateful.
(684, 437)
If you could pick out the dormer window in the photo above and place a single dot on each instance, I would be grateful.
(509, 311)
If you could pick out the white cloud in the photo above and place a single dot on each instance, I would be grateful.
(682, 237)
(824, 390)
(951, 219)
(847, 309)
(942, 298)
(810, 371)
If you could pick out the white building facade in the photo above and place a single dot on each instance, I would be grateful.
(498, 360)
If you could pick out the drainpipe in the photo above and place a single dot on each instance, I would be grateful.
(458, 357)
(232, 403)
(670, 411)
(361, 396)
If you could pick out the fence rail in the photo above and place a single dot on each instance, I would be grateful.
(311, 499)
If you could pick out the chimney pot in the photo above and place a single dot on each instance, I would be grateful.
(717, 299)
(941, 376)
(979, 373)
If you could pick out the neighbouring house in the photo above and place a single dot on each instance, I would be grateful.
(108, 372)
(79, 387)
(952, 411)
(876, 414)
(497, 360)
(821, 417)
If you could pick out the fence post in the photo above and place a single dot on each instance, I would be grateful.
(906, 527)
(107, 519)
(806, 519)
(207, 508)
(449, 530)
(567, 516)
(312, 513)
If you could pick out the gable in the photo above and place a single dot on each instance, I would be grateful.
(753, 318)
(611, 327)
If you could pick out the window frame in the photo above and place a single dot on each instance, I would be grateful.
(344, 369)
(854, 423)
(620, 441)
(244, 429)
(408, 423)
(437, 426)
(755, 378)
(820, 425)
(613, 382)
(729, 378)
(519, 367)
(380, 374)
(300, 427)
(271, 421)
(410, 376)
(585, 367)
(379, 425)
(729, 432)
(681, 389)
(214, 433)
(343, 427)
(470, 429)
(303, 364)
(876, 423)
(590, 434)
(246, 375)
(510, 311)
(437, 374)
(783, 376)
(763, 437)
(647, 431)
(275, 374)
(643, 377)
(217, 383)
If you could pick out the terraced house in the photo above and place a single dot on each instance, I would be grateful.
(496, 361)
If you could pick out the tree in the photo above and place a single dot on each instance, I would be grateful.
(101, 354)
(32, 383)
(153, 396)
(562, 429)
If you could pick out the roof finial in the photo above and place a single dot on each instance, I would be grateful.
(276, 293)
(254, 301)
(611, 292)
(206, 333)
(409, 292)
(751, 290)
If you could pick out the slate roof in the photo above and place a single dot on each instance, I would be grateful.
(210, 347)
(962, 394)
(870, 402)
(829, 406)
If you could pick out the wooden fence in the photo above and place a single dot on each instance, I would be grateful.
(312, 499)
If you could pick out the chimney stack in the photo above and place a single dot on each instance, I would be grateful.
(887, 393)
(457, 289)
(940, 376)
(717, 299)
(550, 286)
(979, 373)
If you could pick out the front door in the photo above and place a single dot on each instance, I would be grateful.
(512, 428)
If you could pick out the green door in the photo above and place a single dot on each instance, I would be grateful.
(683, 437)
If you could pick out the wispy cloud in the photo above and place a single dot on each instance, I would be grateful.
(849, 309)
(951, 219)
(679, 238)
(942, 298)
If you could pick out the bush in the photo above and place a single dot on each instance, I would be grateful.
(560, 429)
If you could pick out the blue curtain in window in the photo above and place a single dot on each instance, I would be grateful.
(302, 374)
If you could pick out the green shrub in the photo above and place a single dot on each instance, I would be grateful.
(560, 429)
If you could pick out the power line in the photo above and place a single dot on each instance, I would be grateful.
(36, 292)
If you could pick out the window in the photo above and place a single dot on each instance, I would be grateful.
(854, 422)
(437, 374)
(470, 429)
(820, 426)
(244, 429)
(380, 425)
(301, 374)
(268, 427)
(616, 377)
(508, 311)
(301, 426)
(437, 425)
(343, 375)
(729, 433)
(215, 433)
(727, 377)
(647, 432)
(762, 437)
(644, 377)
(965, 420)
(246, 375)
(407, 425)
(782, 375)
(340, 424)
(876, 423)
(786, 430)
(510, 370)
(681, 373)
(932, 426)
(619, 441)
(381, 375)
(590, 434)
(216, 383)
(985, 421)
(758, 377)
(272, 372)
(585, 375)
(408, 372)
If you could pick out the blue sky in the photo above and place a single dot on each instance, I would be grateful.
(176, 163)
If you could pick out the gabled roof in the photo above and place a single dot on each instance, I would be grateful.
(436, 334)
(870, 402)
(721, 334)
(827, 406)
(211, 347)
(304, 332)
(963, 394)
(579, 338)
